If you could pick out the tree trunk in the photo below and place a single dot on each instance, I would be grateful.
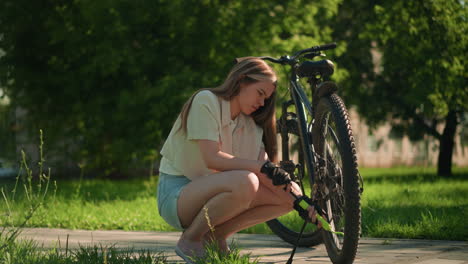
(447, 142)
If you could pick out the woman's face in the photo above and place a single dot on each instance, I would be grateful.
(252, 96)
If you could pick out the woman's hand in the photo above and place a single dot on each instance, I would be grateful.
(294, 188)
(276, 173)
(313, 216)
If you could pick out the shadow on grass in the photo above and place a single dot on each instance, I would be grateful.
(411, 176)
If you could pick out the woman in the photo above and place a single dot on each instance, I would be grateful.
(212, 182)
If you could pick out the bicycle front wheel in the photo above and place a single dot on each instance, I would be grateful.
(338, 178)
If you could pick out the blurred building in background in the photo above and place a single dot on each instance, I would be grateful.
(378, 149)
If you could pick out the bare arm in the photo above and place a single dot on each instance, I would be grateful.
(221, 161)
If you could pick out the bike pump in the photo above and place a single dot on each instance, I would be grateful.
(302, 203)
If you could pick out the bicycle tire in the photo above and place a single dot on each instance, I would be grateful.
(309, 238)
(338, 183)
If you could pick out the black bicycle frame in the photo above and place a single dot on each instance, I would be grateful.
(302, 105)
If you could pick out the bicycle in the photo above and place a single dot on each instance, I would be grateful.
(326, 154)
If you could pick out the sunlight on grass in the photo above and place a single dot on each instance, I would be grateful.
(27, 251)
(102, 204)
(30, 252)
(416, 204)
(397, 202)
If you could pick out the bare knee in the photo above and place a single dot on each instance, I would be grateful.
(247, 185)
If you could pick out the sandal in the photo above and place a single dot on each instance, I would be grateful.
(181, 254)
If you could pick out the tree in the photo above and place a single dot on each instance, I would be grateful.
(106, 79)
(420, 79)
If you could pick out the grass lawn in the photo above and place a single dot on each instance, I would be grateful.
(397, 202)
(29, 252)
(415, 203)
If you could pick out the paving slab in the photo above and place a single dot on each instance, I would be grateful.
(267, 248)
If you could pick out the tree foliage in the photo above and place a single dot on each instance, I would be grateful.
(407, 60)
(105, 79)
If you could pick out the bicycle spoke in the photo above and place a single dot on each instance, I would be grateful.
(333, 223)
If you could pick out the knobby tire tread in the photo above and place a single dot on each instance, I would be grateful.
(337, 109)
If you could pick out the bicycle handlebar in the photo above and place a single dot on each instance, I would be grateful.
(316, 48)
(280, 60)
(286, 59)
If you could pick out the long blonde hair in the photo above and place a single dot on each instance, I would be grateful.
(247, 70)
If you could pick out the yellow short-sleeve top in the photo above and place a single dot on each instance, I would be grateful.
(209, 118)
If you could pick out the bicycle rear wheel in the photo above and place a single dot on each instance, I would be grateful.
(288, 227)
(338, 180)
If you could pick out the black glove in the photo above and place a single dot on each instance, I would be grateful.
(275, 173)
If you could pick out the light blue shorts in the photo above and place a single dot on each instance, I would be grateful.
(169, 188)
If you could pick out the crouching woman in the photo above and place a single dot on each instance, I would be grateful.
(213, 159)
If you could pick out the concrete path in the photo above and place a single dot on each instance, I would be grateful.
(268, 248)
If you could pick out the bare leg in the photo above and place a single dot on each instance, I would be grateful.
(261, 211)
(222, 196)
(270, 202)
(266, 206)
(233, 200)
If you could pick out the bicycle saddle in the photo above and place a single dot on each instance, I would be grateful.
(314, 68)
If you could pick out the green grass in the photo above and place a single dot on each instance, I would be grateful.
(98, 204)
(396, 203)
(415, 203)
(28, 252)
